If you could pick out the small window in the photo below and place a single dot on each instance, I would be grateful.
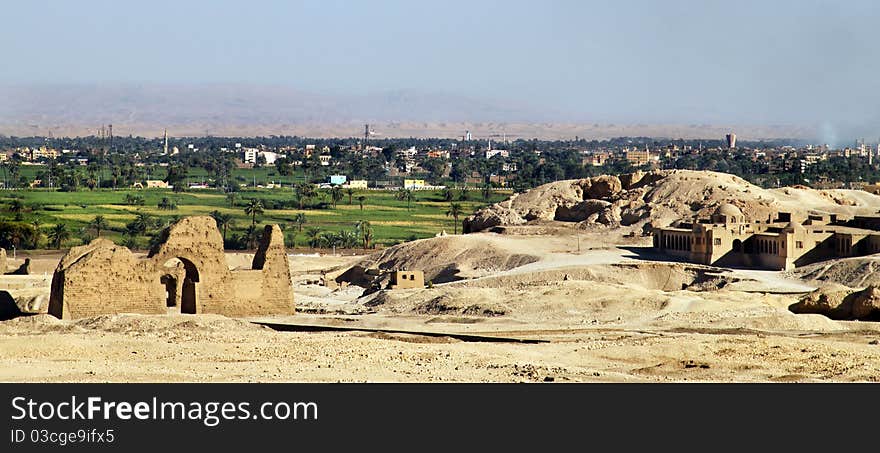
(799, 244)
(717, 241)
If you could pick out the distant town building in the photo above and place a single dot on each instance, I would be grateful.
(357, 184)
(731, 140)
(413, 183)
(252, 154)
(337, 180)
(497, 152)
(42, 153)
(157, 184)
(639, 157)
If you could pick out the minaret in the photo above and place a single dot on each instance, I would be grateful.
(166, 142)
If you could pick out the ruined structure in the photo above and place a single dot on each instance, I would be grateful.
(186, 272)
(779, 242)
(407, 279)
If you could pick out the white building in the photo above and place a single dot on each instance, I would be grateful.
(497, 152)
(250, 155)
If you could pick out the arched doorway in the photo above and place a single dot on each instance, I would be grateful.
(171, 297)
(183, 271)
(737, 246)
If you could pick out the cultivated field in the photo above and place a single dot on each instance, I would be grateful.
(392, 220)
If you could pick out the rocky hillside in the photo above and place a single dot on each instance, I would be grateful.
(640, 200)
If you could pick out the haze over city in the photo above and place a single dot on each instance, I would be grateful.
(806, 69)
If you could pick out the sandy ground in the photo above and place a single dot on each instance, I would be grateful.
(603, 314)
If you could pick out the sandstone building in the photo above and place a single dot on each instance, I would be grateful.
(778, 242)
(186, 272)
(407, 279)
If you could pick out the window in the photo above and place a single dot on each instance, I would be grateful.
(799, 244)
(717, 241)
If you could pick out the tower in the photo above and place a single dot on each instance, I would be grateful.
(366, 134)
(731, 140)
(166, 142)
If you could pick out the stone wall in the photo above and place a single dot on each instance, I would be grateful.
(103, 278)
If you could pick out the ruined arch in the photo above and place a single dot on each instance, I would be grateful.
(102, 277)
(180, 277)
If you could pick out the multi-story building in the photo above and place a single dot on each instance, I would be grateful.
(779, 242)
(639, 157)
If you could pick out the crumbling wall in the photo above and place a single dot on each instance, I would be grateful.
(103, 278)
(276, 290)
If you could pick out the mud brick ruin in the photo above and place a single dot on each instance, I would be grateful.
(186, 272)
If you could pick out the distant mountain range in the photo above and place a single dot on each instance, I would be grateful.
(227, 110)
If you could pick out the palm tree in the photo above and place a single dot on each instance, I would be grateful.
(99, 223)
(253, 236)
(253, 209)
(487, 191)
(230, 197)
(58, 234)
(166, 204)
(36, 224)
(313, 236)
(141, 223)
(365, 232)
(361, 200)
(455, 210)
(350, 193)
(299, 219)
(336, 195)
(463, 195)
(224, 221)
(447, 194)
(16, 206)
(303, 192)
(407, 195)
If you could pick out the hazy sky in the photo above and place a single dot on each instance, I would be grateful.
(662, 61)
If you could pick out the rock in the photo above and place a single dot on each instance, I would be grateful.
(579, 212)
(24, 269)
(601, 186)
(826, 300)
(866, 303)
(610, 216)
(841, 303)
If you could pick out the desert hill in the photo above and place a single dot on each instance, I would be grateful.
(637, 201)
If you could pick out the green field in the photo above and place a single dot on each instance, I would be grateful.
(392, 221)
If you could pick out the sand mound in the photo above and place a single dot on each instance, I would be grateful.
(659, 198)
(853, 272)
(134, 324)
(642, 275)
(575, 304)
(36, 325)
(442, 259)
